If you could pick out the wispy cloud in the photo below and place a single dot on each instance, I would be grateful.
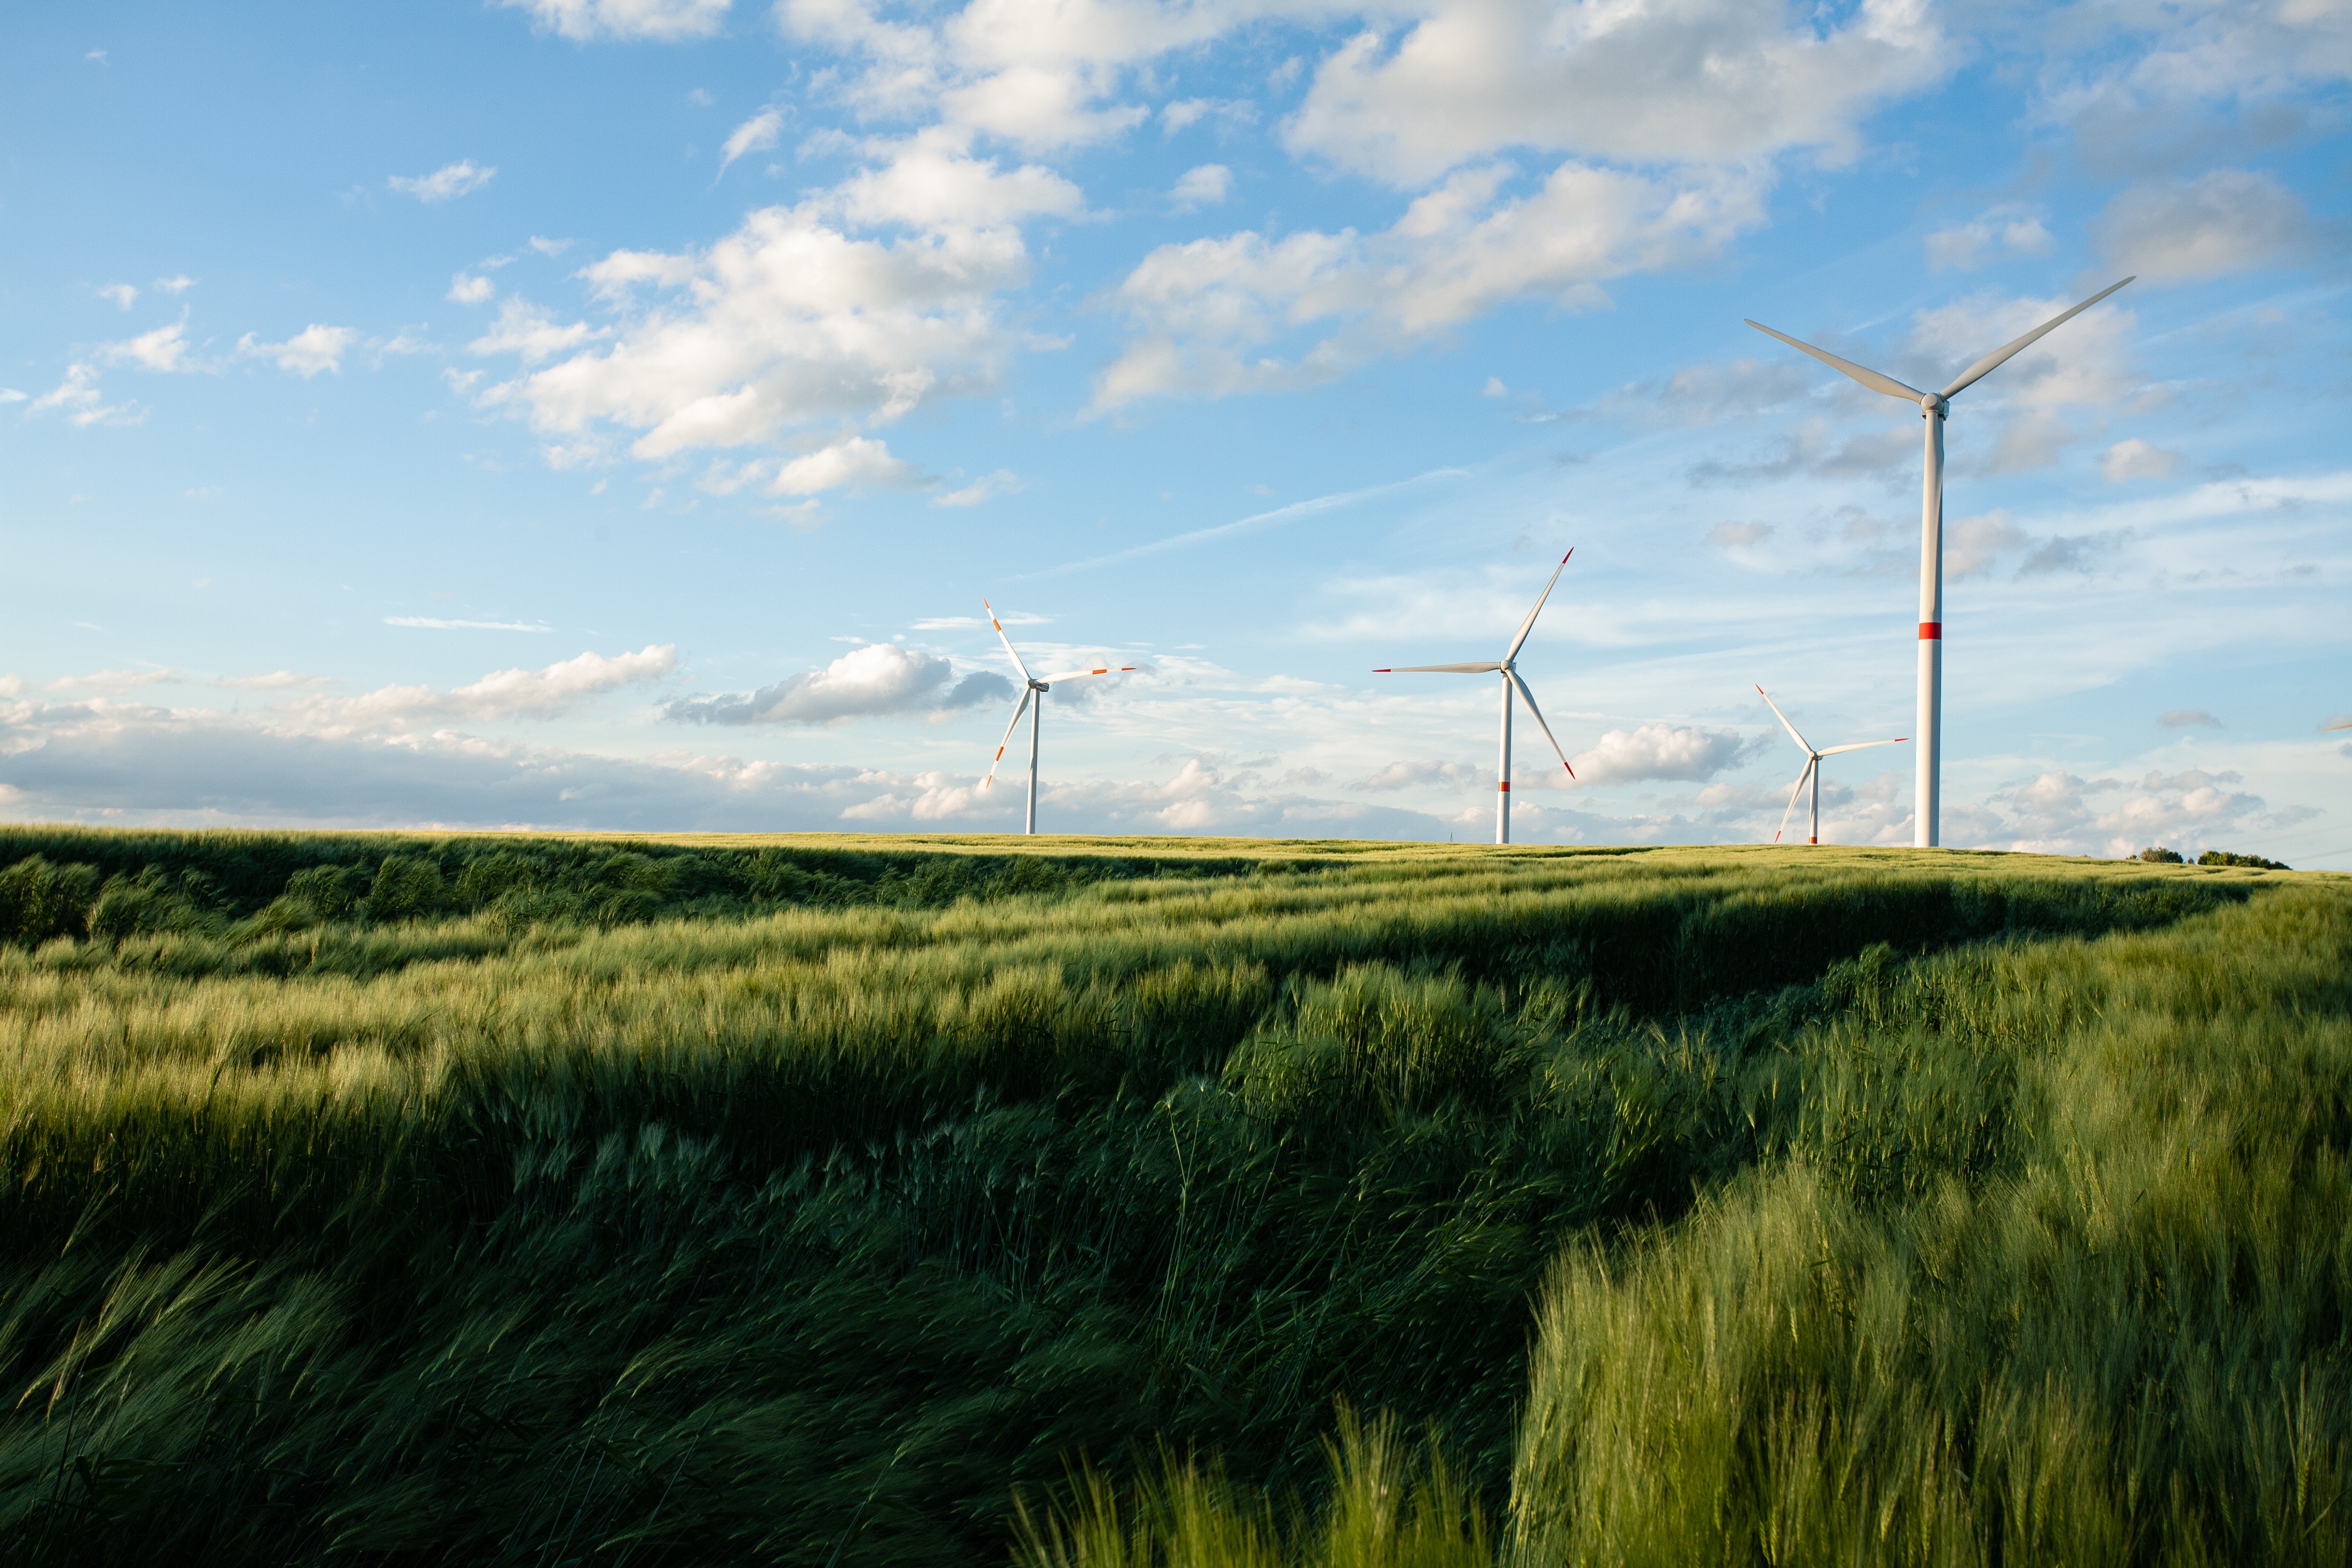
(430, 623)
(446, 182)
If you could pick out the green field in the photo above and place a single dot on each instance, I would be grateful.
(496, 1199)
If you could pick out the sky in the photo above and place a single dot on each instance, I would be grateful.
(613, 414)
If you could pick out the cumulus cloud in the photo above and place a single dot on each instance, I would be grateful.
(1662, 752)
(466, 290)
(791, 321)
(2000, 235)
(444, 184)
(1683, 81)
(663, 21)
(79, 398)
(1700, 394)
(756, 134)
(306, 354)
(2136, 459)
(114, 683)
(856, 461)
(123, 295)
(1206, 186)
(544, 693)
(877, 681)
(988, 487)
(2230, 220)
(164, 349)
(1205, 313)
(1425, 775)
(2059, 813)
(177, 284)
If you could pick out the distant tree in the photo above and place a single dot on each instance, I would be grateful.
(2161, 856)
(2224, 858)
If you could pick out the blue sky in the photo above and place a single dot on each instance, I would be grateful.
(612, 413)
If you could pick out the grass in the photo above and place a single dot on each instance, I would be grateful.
(498, 1199)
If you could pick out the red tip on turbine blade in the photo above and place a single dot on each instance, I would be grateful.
(1384, 672)
(1572, 550)
(1571, 772)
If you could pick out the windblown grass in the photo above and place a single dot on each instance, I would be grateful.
(877, 1204)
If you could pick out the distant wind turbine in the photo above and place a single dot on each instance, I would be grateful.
(1935, 407)
(1511, 681)
(1033, 690)
(1812, 768)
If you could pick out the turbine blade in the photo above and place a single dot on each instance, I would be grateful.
(1785, 724)
(1529, 699)
(2345, 725)
(1992, 360)
(1864, 745)
(1099, 669)
(1019, 709)
(1530, 623)
(1440, 669)
(1006, 641)
(1795, 790)
(1869, 378)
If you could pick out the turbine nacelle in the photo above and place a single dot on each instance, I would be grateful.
(1935, 408)
(1506, 668)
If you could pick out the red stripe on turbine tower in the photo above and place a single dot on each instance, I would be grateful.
(1931, 631)
(1505, 786)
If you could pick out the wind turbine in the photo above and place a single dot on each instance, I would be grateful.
(1033, 690)
(1510, 680)
(1812, 768)
(1935, 407)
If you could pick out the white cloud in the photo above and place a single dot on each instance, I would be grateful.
(1205, 186)
(122, 294)
(430, 623)
(1972, 545)
(1425, 775)
(756, 134)
(858, 460)
(2086, 362)
(1999, 235)
(1729, 535)
(180, 284)
(988, 487)
(2188, 718)
(530, 332)
(77, 396)
(550, 247)
(1725, 81)
(2136, 459)
(1205, 311)
(275, 680)
(1660, 752)
(306, 354)
(787, 323)
(546, 693)
(444, 184)
(663, 21)
(876, 681)
(10, 395)
(2230, 220)
(114, 683)
(164, 349)
(465, 289)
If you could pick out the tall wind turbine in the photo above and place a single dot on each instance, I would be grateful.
(1812, 768)
(1510, 681)
(1033, 691)
(1935, 407)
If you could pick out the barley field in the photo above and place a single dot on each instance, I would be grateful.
(522, 1200)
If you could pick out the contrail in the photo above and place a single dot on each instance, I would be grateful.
(1279, 514)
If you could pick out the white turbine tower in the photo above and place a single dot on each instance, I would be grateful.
(1510, 681)
(1812, 768)
(1934, 407)
(1033, 690)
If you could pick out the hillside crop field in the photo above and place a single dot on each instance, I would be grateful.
(518, 1200)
